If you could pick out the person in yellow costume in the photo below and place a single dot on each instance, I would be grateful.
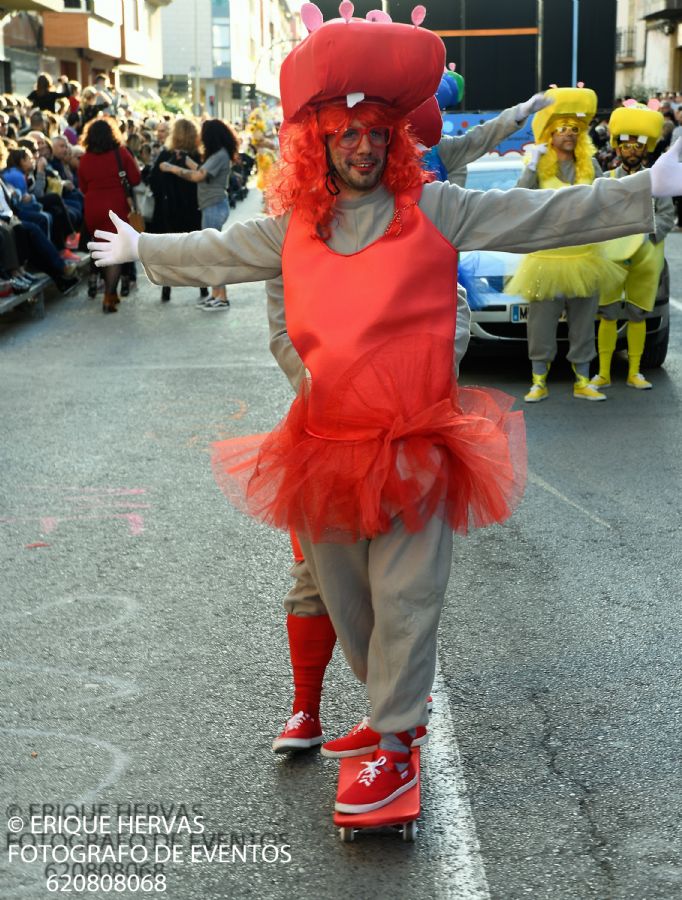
(635, 130)
(570, 278)
(263, 144)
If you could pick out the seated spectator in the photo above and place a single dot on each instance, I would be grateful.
(28, 243)
(59, 162)
(44, 95)
(34, 169)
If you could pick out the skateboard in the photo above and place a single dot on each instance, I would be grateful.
(400, 815)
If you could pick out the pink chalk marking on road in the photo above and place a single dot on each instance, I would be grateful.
(48, 524)
(88, 504)
(135, 523)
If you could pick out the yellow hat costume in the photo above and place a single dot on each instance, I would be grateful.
(570, 271)
(578, 103)
(634, 120)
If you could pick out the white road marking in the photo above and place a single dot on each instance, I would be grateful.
(541, 483)
(676, 303)
(458, 872)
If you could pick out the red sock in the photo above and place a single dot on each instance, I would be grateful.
(311, 643)
(296, 547)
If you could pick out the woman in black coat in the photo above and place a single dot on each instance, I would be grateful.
(175, 200)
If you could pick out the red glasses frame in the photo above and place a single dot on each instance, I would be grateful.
(350, 138)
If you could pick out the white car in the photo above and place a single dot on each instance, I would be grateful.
(498, 320)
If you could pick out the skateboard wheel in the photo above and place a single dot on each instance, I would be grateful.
(347, 835)
(410, 831)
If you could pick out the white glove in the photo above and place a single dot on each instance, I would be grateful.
(114, 248)
(536, 153)
(535, 104)
(666, 173)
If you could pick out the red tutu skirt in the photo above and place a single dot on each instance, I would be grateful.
(387, 450)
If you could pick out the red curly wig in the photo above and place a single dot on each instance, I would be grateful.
(298, 178)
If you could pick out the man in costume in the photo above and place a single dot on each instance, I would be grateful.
(310, 633)
(381, 455)
(635, 130)
(568, 279)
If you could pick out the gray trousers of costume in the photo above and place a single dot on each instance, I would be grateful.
(384, 597)
(304, 597)
(543, 318)
(628, 311)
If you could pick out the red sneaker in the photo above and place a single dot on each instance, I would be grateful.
(378, 783)
(301, 732)
(72, 240)
(363, 740)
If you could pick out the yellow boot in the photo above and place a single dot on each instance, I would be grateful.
(606, 344)
(538, 389)
(636, 332)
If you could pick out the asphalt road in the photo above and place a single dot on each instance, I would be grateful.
(143, 655)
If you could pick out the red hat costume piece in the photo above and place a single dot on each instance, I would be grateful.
(352, 60)
(426, 122)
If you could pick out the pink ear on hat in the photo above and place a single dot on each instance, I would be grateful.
(580, 84)
(346, 9)
(311, 16)
(554, 86)
(654, 104)
(378, 15)
(629, 103)
(452, 66)
(418, 15)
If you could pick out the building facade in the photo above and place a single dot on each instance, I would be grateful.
(82, 38)
(225, 55)
(649, 46)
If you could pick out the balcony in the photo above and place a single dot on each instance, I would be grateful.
(82, 30)
(661, 9)
(625, 45)
(37, 6)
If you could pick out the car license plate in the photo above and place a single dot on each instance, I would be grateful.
(519, 312)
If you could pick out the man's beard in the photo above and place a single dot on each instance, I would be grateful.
(632, 162)
(354, 177)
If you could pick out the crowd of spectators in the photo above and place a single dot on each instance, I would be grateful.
(61, 151)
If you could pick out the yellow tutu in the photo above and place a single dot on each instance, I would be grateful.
(569, 272)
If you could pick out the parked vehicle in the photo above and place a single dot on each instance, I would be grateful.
(498, 320)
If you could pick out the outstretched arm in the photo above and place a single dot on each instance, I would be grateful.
(522, 221)
(457, 151)
(247, 251)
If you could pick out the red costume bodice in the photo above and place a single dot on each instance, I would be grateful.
(342, 308)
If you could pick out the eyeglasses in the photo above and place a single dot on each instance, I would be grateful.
(631, 145)
(351, 137)
(567, 129)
